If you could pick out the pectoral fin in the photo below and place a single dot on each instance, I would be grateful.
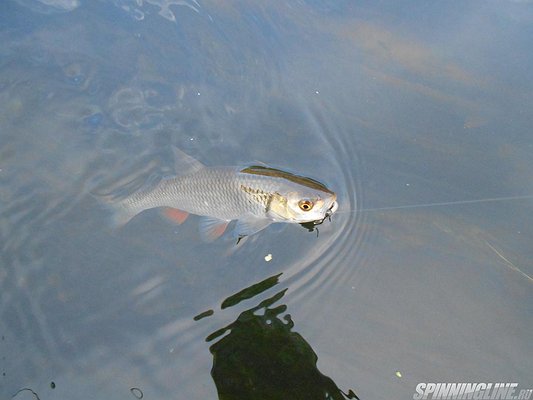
(212, 228)
(249, 225)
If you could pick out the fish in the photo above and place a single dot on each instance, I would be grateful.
(254, 196)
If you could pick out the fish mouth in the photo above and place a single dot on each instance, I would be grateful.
(332, 209)
(311, 225)
(328, 213)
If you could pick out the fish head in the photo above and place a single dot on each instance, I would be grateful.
(298, 199)
(301, 206)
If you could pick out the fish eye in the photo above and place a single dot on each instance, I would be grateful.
(305, 205)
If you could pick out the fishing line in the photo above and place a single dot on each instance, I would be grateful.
(446, 203)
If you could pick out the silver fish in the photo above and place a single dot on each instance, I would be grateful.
(254, 196)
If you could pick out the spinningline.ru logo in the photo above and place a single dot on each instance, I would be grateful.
(476, 391)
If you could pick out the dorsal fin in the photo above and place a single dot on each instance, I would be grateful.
(184, 163)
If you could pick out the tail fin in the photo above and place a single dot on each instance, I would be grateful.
(121, 214)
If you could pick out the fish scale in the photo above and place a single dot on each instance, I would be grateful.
(214, 192)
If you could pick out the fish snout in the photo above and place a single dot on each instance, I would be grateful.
(332, 209)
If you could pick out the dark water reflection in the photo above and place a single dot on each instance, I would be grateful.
(388, 104)
(262, 357)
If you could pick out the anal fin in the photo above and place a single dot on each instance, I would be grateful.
(175, 215)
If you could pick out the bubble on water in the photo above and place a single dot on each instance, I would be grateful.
(94, 120)
(78, 79)
(133, 107)
(138, 15)
(137, 392)
(26, 393)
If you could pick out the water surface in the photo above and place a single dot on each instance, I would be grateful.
(389, 104)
